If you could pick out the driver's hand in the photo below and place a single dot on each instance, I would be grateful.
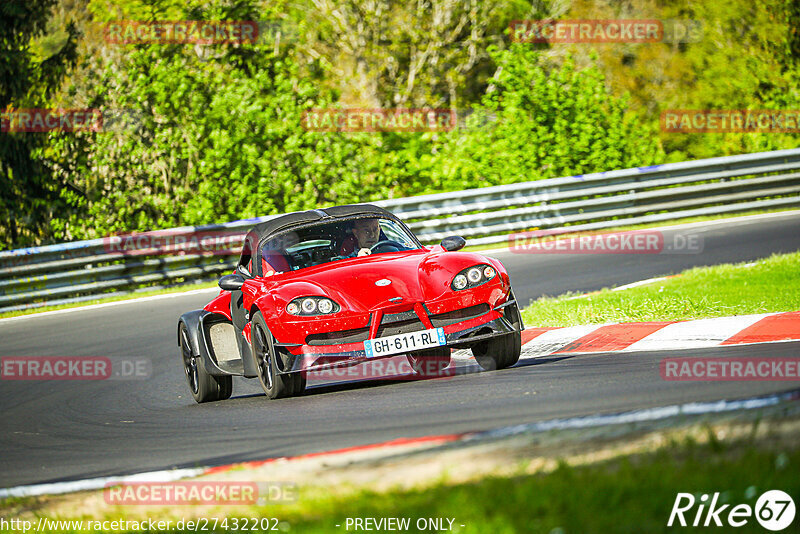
(364, 252)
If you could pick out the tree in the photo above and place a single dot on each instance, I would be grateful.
(542, 121)
(28, 195)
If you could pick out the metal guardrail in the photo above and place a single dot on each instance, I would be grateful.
(82, 270)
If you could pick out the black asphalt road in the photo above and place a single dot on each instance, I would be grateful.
(53, 431)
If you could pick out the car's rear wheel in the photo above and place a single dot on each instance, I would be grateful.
(269, 362)
(430, 363)
(203, 386)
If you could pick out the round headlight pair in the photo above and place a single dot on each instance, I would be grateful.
(312, 306)
(474, 276)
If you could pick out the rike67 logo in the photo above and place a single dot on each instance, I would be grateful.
(774, 510)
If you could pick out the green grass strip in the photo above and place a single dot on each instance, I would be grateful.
(634, 494)
(769, 285)
(630, 494)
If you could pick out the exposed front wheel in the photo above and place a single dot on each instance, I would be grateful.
(498, 352)
(269, 362)
(430, 363)
(299, 383)
(203, 386)
(502, 351)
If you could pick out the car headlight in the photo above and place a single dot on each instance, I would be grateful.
(308, 306)
(312, 306)
(459, 282)
(325, 306)
(472, 277)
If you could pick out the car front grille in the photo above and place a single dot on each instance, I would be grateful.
(456, 316)
(393, 324)
(341, 337)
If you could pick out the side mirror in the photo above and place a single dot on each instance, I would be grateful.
(453, 243)
(231, 282)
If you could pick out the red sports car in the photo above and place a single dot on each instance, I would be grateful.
(337, 287)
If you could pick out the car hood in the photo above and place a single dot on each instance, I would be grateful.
(360, 284)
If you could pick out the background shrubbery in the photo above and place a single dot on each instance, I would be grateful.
(215, 131)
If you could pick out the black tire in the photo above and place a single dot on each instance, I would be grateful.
(512, 313)
(203, 386)
(498, 352)
(274, 384)
(502, 351)
(225, 386)
(298, 383)
(430, 363)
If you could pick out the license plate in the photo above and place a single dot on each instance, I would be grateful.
(384, 346)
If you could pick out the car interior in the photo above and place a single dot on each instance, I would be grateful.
(298, 249)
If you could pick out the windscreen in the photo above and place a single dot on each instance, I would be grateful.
(322, 243)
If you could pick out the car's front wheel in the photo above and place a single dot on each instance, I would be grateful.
(269, 363)
(203, 386)
(498, 352)
(502, 351)
(299, 383)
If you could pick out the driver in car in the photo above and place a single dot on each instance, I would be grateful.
(366, 232)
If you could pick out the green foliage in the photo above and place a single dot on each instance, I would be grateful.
(212, 136)
(219, 136)
(741, 54)
(28, 194)
(629, 493)
(215, 131)
(543, 121)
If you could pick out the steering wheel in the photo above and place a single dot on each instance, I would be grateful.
(386, 242)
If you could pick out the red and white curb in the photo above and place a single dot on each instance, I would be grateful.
(663, 335)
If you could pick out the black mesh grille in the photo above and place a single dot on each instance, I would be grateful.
(392, 318)
(456, 316)
(402, 327)
(337, 338)
(393, 324)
